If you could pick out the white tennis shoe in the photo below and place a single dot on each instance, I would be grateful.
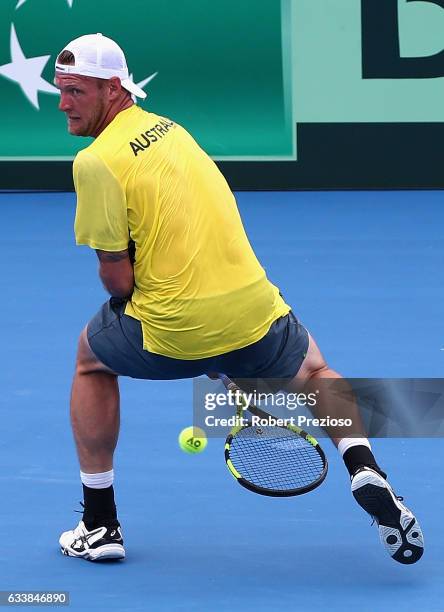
(399, 530)
(93, 545)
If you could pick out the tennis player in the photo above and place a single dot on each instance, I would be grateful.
(188, 296)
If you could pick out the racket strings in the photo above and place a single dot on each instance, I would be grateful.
(275, 458)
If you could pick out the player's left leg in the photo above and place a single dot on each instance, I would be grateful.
(399, 530)
(94, 410)
(95, 424)
(111, 346)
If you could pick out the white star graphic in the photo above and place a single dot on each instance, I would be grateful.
(142, 84)
(145, 81)
(21, 2)
(27, 71)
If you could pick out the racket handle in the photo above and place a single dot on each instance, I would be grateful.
(231, 386)
(228, 384)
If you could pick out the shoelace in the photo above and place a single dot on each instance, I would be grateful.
(81, 512)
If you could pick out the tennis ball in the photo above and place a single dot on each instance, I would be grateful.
(192, 440)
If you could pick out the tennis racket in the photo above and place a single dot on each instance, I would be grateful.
(274, 460)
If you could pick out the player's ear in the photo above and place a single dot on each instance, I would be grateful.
(114, 87)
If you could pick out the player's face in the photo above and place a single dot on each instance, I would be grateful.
(82, 100)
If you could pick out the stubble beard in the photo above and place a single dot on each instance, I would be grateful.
(94, 121)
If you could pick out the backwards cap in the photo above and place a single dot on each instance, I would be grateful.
(97, 56)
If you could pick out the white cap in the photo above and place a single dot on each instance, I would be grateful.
(98, 56)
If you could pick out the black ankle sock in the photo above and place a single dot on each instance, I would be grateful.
(358, 456)
(100, 509)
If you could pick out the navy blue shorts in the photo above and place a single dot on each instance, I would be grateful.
(116, 340)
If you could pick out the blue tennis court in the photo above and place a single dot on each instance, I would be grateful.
(364, 272)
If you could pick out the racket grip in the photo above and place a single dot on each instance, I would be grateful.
(228, 384)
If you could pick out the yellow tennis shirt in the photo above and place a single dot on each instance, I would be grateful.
(199, 289)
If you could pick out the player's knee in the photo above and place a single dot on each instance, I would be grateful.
(314, 365)
(317, 369)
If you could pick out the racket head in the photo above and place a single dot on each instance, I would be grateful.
(277, 461)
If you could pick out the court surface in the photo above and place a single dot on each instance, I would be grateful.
(364, 272)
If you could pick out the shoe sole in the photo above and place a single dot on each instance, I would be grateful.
(399, 530)
(103, 553)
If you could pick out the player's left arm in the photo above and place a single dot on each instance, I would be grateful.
(116, 272)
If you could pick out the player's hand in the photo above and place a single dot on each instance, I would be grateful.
(132, 251)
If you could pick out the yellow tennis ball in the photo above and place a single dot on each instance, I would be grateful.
(192, 440)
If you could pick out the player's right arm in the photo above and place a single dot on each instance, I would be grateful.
(102, 223)
(116, 272)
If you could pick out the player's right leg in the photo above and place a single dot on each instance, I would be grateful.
(288, 357)
(399, 530)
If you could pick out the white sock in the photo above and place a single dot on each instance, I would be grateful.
(347, 443)
(102, 480)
